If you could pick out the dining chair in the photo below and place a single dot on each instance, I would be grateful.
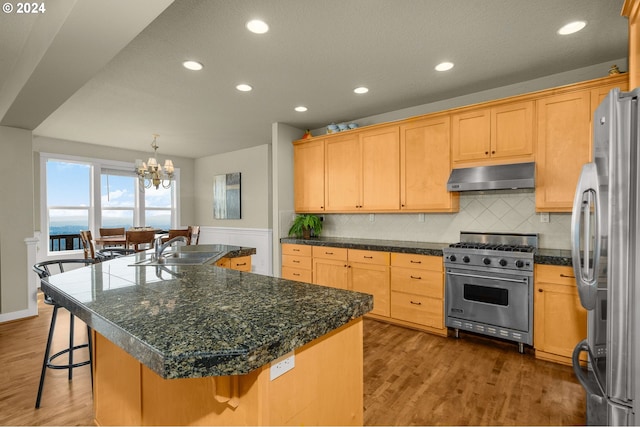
(87, 244)
(194, 234)
(140, 240)
(45, 269)
(111, 253)
(182, 232)
(118, 231)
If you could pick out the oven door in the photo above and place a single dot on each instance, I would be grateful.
(492, 298)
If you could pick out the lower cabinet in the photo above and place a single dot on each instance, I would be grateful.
(417, 291)
(560, 321)
(407, 289)
(242, 263)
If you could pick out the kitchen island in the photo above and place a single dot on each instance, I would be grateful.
(193, 344)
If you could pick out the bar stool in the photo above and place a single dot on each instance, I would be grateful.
(43, 269)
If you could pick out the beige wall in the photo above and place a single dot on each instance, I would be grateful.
(16, 216)
(255, 200)
(72, 148)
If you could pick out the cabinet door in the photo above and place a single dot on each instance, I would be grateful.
(512, 130)
(342, 174)
(425, 166)
(563, 146)
(598, 95)
(372, 279)
(560, 322)
(308, 176)
(471, 135)
(380, 169)
(328, 272)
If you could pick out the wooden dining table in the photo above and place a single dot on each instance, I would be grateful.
(117, 240)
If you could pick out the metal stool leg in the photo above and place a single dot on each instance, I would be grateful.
(90, 343)
(45, 362)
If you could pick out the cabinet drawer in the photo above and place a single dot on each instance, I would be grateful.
(296, 274)
(223, 262)
(300, 250)
(420, 282)
(327, 252)
(296, 261)
(242, 263)
(560, 275)
(417, 309)
(426, 262)
(368, 257)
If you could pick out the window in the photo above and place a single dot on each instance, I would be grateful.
(86, 194)
(68, 199)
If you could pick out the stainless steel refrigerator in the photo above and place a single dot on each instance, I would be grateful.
(605, 227)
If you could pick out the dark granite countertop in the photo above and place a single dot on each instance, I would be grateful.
(542, 256)
(201, 320)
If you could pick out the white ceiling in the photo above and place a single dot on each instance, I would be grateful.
(315, 54)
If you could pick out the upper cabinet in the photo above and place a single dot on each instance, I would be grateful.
(492, 135)
(564, 143)
(362, 172)
(425, 166)
(308, 176)
(631, 9)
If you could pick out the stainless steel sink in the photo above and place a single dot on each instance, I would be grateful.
(179, 258)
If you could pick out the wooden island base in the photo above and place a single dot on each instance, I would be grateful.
(324, 388)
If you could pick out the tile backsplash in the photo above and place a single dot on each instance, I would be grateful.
(491, 211)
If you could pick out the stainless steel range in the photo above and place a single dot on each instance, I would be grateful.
(489, 285)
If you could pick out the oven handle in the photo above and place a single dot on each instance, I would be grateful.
(477, 276)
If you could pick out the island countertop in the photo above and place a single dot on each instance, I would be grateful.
(201, 320)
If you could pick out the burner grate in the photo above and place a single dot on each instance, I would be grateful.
(492, 247)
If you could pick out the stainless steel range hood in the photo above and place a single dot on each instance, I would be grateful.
(499, 177)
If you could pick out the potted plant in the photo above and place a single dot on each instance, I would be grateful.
(304, 224)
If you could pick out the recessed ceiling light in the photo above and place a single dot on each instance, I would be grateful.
(192, 65)
(244, 87)
(301, 109)
(257, 26)
(572, 27)
(360, 90)
(444, 66)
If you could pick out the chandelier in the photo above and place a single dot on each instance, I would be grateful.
(152, 173)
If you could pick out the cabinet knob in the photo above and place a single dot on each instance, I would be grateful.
(539, 290)
(486, 153)
(493, 152)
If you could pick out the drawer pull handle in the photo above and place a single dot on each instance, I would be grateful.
(296, 250)
(328, 253)
(244, 263)
(416, 262)
(296, 261)
(567, 276)
(415, 303)
(416, 277)
(368, 257)
(296, 274)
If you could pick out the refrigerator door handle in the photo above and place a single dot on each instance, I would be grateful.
(597, 394)
(586, 261)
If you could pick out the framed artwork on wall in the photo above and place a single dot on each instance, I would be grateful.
(226, 196)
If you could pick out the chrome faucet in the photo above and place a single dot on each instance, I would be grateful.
(161, 247)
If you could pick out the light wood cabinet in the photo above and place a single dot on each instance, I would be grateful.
(369, 273)
(362, 171)
(500, 134)
(560, 321)
(330, 267)
(564, 135)
(242, 263)
(308, 176)
(631, 10)
(425, 166)
(297, 263)
(417, 291)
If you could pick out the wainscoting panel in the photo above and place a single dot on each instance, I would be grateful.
(259, 238)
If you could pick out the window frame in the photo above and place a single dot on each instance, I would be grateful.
(95, 205)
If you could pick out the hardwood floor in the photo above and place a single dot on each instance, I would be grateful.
(411, 378)
(414, 378)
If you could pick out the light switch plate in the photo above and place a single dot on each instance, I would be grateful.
(544, 216)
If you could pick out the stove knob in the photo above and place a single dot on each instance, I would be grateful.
(486, 261)
(503, 262)
(519, 263)
(466, 259)
(452, 258)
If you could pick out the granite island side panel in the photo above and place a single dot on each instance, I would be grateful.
(203, 320)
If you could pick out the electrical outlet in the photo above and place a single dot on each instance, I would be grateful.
(372, 217)
(420, 217)
(282, 365)
(544, 217)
